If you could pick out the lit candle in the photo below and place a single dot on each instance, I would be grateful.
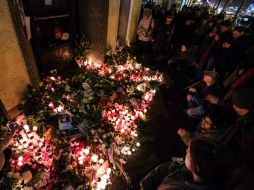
(51, 106)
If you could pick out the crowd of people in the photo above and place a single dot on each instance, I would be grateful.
(214, 57)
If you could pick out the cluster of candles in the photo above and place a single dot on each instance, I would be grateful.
(29, 147)
(130, 70)
(33, 146)
(120, 117)
(86, 158)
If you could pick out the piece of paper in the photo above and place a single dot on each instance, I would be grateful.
(27, 176)
(64, 122)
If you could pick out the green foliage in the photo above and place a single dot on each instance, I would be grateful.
(119, 55)
(82, 46)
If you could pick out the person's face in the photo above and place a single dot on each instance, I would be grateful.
(204, 21)
(188, 22)
(226, 45)
(184, 48)
(169, 20)
(215, 29)
(187, 160)
(146, 16)
(208, 79)
(224, 28)
(236, 34)
(206, 123)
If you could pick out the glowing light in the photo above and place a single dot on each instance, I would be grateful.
(20, 164)
(86, 151)
(122, 116)
(101, 161)
(108, 171)
(51, 106)
(35, 128)
(26, 127)
(94, 158)
(60, 108)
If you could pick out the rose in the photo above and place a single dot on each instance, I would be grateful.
(34, 166)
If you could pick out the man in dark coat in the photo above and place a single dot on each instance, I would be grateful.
(239, 139)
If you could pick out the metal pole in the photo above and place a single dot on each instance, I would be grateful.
(215, 4)
(218, 4)
(239, 8)
(225, 6)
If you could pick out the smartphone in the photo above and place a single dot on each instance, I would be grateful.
(13, 127)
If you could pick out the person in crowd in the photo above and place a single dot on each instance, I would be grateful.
(179, 21)
(169, 28)
(196, 97)
(206, 51)
(159, 37)
(144, 31)
(211, 126)
(199, 36)
(239, 139)
(242, 75)
(223, 57)
(224, 33)
(240, 44)
(206, 166)
(209, 39)
(213, 52)
(7, 134)
(187, 33)
(5, 152)
(173, 10)
(225, 29)
(158, 16)
(179, 63)
(240, 135)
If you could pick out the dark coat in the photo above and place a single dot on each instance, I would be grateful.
(213, 133)
(239, 139)
(164, 172)
(172, 176)
(199, 97)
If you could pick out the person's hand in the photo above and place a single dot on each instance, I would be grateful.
(212, 34)
(217, 37)
(191, 89)
(189, 98)
(181, 132)
(212, 99)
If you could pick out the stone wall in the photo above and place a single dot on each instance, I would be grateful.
(93, 15)
(113, 20)
(135, 8)
(123, 21)
(14, 77)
